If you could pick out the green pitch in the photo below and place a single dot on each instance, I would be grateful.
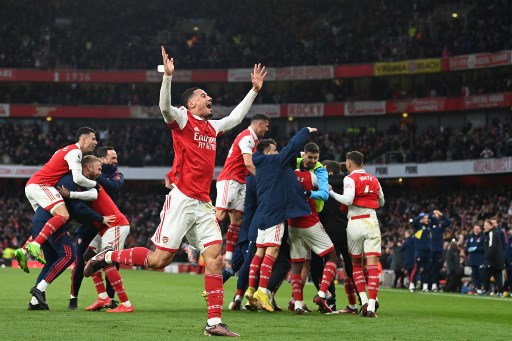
(170, 307)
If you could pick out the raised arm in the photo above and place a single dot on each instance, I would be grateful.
(294, 146)
(169, 112)
(238, 114)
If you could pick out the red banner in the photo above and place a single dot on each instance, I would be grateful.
(365, 108)
(418, 105)
(480, 60)
(69, 111)
(434, 104)
(486, 101)
(305, 110)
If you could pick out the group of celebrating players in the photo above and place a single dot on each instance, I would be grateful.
(264, 192)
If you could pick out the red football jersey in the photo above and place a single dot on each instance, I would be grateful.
(194, 157)
(308, 181)
(65, 159)
(105, 206)
(234, 168)
(367, 189)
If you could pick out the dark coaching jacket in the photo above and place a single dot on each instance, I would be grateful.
(475, 247)
(422, 237)
(112, 180)
(437, 227)
(250, 204)
(280, 195)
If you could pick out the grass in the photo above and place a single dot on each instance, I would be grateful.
(169, 306)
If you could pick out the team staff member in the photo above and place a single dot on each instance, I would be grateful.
(475, 248)
(407, 250)
(439, 223)
(334, 221)
(111, 178)
(494, 259)
(112, 181)
(279, 197)
(422, 250)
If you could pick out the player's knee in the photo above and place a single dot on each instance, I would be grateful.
(331, 257)
(64, 216)
(213, 263)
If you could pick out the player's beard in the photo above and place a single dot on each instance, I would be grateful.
(210, 115)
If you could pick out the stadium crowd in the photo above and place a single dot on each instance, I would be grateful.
(52, 36)
(147, 143)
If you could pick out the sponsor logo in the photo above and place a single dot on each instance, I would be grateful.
(165, 239)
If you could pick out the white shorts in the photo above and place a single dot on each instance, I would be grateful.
(271, 236)
(185, 216)
(43, 196)
(363, 234)
(114, 236)
(230, 196)
(313, 238)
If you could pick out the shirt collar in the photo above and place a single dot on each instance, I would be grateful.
(253, 134)
(360, 171)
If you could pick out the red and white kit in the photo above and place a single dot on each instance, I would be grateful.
(231, 180)
(307, 233)
(187, 209)
(40, 189)
(362, 194)
(116, 235)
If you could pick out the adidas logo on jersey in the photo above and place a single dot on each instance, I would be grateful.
(196, 128)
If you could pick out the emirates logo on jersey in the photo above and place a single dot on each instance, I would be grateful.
(205, 142)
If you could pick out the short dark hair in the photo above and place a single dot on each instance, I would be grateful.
(343, 167)
(311, 148)
(186, 95)
(89, 159)
(84, 131)
(332, 166)
(264, 144)
(260, 117)
(102, 152)
(356, 157)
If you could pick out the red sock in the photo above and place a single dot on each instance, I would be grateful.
(254, 270)
(358, 276)
(215, 291)
(297, 285)
(97, 278)
(232, 237)
(266, 270)
(239, 292)
(49, 228)
(30, 239)
(327, 276)
(350, 290)
(136, 256)
(373, 281)
(114, 277)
